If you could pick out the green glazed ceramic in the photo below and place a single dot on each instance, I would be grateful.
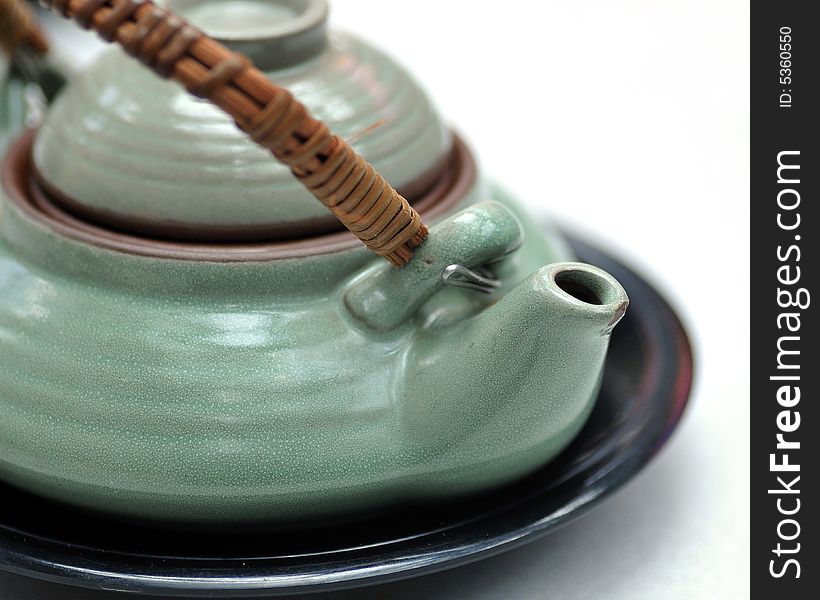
(190, 381)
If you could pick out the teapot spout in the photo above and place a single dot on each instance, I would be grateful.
(516, 382)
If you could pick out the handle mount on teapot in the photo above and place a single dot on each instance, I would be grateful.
(325, 164)
(383, 298)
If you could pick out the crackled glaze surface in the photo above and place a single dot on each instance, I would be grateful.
(191, 390)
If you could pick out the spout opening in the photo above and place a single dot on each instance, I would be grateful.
(587, 287)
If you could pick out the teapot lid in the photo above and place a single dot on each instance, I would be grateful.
(124, 149)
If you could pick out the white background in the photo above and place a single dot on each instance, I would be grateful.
(630, 124)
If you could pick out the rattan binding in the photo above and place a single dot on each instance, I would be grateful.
(18, 28)
(326, 164)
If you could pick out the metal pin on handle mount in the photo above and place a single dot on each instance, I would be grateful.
(480, 279)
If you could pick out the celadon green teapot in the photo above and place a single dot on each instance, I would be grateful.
(186, 334)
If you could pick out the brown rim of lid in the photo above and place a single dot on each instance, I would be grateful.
(21, 189)
(417, 193)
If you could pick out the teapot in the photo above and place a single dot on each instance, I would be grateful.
(187, 335)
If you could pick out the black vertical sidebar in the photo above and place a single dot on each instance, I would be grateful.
(785, 369)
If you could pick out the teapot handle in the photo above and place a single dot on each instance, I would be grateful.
(383, 297)
(18, 29)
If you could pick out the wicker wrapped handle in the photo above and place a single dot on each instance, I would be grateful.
(326, 164)
(18, 28)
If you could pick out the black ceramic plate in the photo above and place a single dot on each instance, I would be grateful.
(645, 389)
